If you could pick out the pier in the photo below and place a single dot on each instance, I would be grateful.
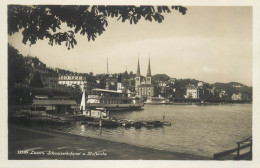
(243, 151)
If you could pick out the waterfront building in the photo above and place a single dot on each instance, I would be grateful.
(239, 96)
(163, 85)
(53, 106)
(74, 79)
(143, 85)
(223, 93)
(192, 92)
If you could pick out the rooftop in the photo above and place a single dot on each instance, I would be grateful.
(105, 90)
(54, 102)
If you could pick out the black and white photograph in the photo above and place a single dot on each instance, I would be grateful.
(88, 82)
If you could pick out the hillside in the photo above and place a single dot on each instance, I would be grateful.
(234, 87)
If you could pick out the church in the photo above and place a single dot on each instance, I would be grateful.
(143, 85)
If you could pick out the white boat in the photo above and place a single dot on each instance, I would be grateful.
(157, 100)
(98, 113)
(112, 100)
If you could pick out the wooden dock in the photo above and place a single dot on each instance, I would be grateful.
(243, 151)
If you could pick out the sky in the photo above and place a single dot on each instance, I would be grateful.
(211, 44)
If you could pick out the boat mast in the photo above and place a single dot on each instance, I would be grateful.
(83, 100)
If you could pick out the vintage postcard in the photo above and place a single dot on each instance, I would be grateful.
(90, 83)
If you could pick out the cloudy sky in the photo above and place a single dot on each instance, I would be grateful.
(212, 44)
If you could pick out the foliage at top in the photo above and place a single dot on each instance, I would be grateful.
(44, 21)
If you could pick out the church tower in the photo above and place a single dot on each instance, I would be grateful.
(137, 76)
(149, 74)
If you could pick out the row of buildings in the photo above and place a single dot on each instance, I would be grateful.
(135, 85)
(53, 78)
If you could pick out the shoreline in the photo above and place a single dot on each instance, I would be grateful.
(41, 140)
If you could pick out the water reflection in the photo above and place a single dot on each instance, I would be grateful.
(201, 130)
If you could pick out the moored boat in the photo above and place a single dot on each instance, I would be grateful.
(112, 100)
(167, 123)
(157, 101)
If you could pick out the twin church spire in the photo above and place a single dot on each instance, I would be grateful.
(139, 80)
(148, 74)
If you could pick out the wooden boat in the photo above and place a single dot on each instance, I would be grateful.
(152, 124)
(167, 123)
(110, 123)
(126, 123)
(157, 123)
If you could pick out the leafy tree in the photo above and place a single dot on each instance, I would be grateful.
(17, 70)
(102, 80)
(125, 75)
(131, 74)
(161, 77)
(76, 94)
(180, 90)
(36, 61)
(44, 21)
(36, 81)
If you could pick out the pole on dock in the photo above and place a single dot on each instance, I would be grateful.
(251, 148)
(100, 121)
(108, 115)
(45, 121)
(238, 150)
(163, 117)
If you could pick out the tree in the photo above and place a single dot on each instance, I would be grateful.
(17, 70)
(43, 21)
(161, 77)
(36, 81)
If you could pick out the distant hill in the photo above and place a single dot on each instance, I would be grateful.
(234, 87)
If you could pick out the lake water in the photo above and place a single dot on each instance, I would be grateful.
(199, 130)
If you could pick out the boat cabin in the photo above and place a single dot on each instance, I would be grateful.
(104, 96)
(97, 113)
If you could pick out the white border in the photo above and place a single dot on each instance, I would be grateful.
(182, 164)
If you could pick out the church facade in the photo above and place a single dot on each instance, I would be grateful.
(143, 85)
